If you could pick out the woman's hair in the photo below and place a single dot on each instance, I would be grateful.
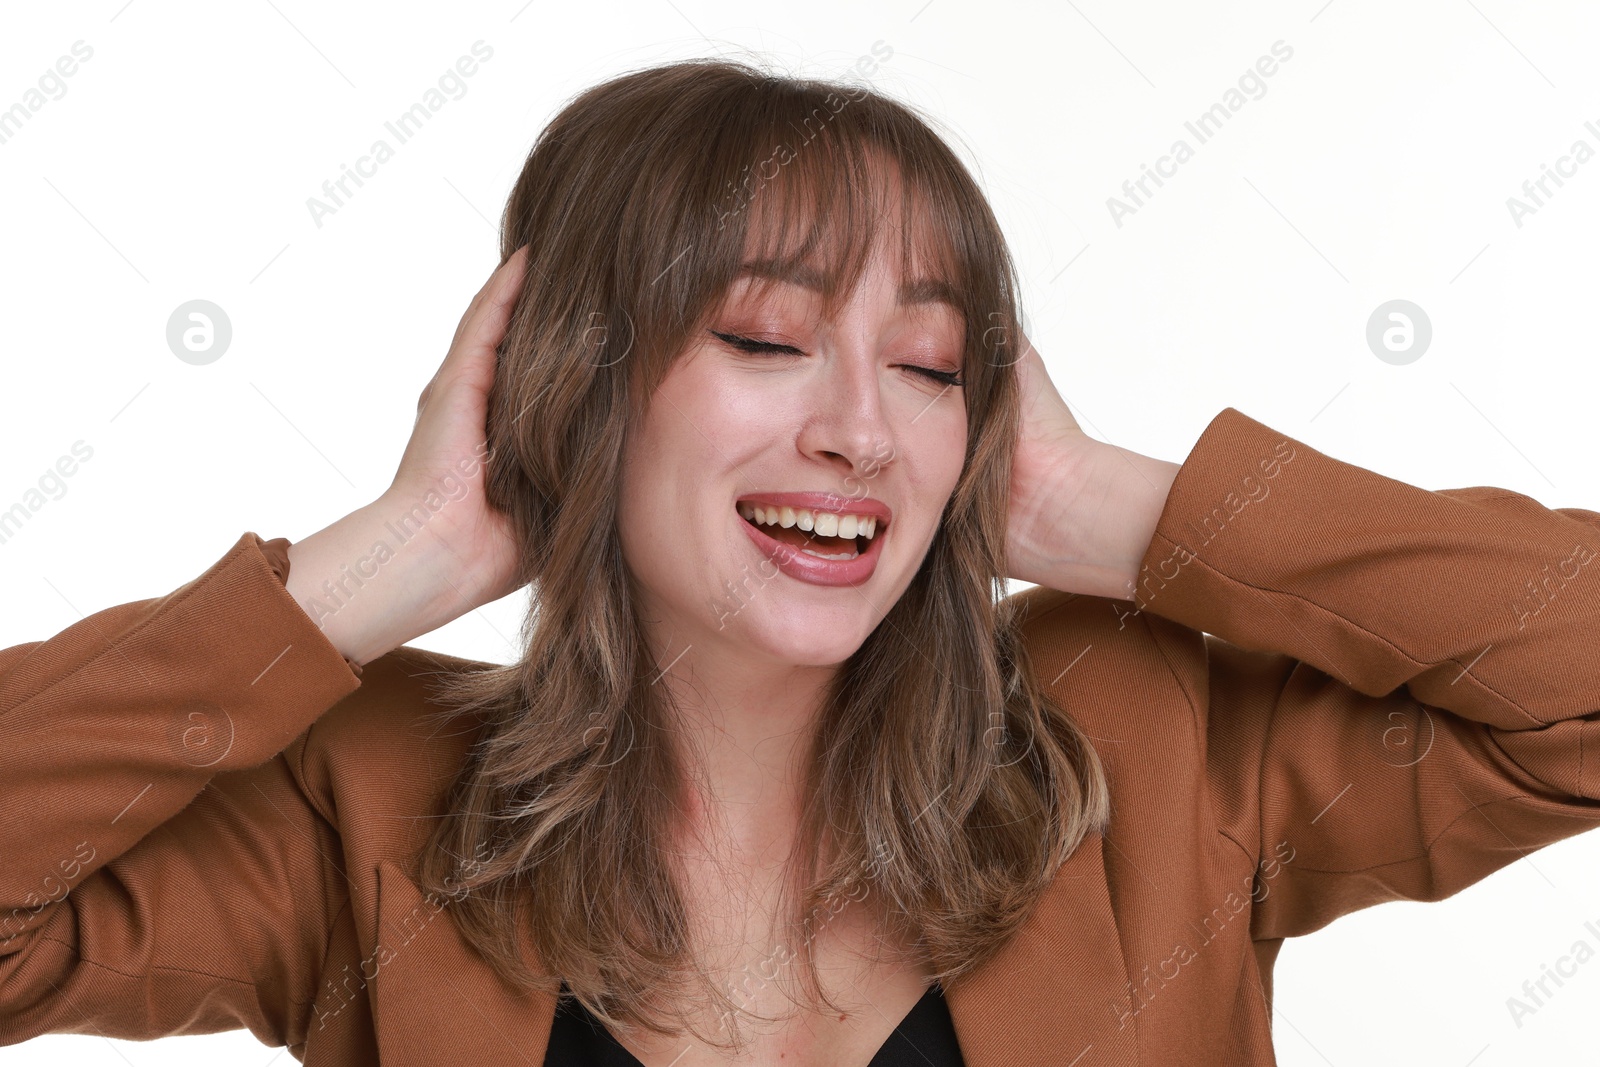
(941, 781)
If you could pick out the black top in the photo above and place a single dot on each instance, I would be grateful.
(924, 1038)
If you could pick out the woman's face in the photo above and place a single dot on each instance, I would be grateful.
(846, 422)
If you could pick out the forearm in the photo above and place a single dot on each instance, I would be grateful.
(1480, 600)
(372, 581)
(113, 726)
(1092, 534)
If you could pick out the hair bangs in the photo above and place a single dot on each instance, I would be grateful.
(815, 213)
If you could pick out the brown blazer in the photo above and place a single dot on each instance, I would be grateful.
(1335, 689)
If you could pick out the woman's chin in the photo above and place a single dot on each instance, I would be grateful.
(828, 642)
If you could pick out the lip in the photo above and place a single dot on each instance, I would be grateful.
(812, 569)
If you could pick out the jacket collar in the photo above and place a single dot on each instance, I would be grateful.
(1044, 1001)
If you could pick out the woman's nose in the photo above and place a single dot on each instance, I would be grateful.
(848, 419)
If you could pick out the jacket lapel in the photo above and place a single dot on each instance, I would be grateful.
(1041, 1002)
(434, 999)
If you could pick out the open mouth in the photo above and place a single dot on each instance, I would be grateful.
(835, 536)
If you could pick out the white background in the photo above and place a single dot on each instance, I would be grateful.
(1376, 166)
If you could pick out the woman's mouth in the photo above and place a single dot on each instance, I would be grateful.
(814, 545)
(824, 534)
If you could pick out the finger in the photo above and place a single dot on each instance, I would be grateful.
(505, 284)
(502, 280)
(484, 322)
(493, 289)
(489, 322)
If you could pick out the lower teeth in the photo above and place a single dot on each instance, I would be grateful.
(854, 553)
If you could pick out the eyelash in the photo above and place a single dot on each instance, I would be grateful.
(943, 377)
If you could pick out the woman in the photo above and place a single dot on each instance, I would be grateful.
(776, 779)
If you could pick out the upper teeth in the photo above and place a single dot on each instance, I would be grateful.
(824, 523)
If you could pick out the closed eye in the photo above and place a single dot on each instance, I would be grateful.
(746, 344)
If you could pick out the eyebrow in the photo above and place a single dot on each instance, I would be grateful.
(916, 291)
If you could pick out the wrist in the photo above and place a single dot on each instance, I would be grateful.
(1097, 522)
(371, 583)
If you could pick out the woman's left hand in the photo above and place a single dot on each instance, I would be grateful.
(1082, 512)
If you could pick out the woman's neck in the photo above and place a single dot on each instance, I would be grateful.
(745, 737)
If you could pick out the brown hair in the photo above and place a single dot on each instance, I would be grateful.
(941, 777)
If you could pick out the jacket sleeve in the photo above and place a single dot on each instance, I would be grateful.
(1403, 684)
(162, 871)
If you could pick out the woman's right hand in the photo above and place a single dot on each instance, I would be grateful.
(448, 447)
(447, 550)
